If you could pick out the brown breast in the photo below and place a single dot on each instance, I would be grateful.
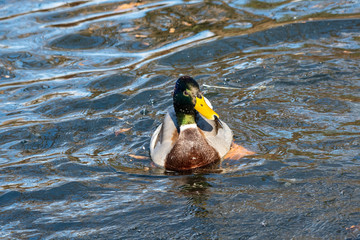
(190, 151)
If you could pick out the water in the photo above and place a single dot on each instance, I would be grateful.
(83, 84)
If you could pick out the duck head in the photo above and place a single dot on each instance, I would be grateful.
(188, 100)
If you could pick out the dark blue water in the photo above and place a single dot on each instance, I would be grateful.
(83, 84)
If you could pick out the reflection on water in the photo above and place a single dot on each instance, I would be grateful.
(83, 84)
(195, 189)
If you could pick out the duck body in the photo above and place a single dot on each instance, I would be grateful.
(187, 140)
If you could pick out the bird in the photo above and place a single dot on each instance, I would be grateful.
(191, 135)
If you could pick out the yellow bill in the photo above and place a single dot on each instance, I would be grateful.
(204, 109)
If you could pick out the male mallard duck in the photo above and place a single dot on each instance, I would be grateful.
(191, 135)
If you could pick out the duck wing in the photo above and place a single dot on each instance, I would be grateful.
(164, 138)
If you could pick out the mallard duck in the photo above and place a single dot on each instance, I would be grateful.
(191, 134)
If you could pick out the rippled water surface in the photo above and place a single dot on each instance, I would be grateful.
(83, 84)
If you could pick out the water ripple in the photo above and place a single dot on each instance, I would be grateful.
(83, 84)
